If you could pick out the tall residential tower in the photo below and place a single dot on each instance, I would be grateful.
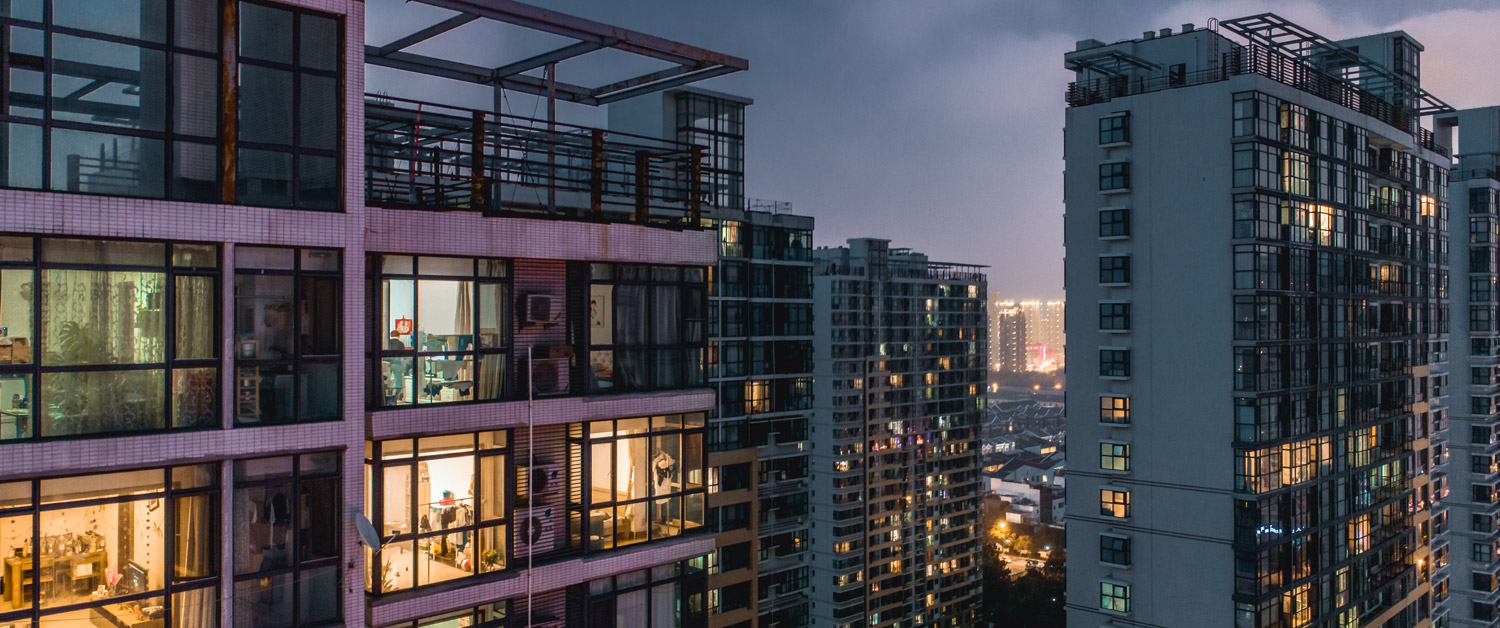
(900, 365)
(1256, 227)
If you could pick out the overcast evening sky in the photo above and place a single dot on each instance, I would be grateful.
(935, 124)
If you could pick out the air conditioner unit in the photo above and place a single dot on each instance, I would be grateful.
(536, 530)
(546, 480)
(549, 376)
(538, 309)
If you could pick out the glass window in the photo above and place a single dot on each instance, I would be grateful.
(1114, 269)
(1114, 409)
(1114, 597)
(289, 108)
(1114, 176)
(287, 333)
(1114, 363)
(1114, 317)
(640, 481)
(1114, 223)
(647, 327)
(127, 342)
(287, 540)
(1114, 456)
(446, 331)
(1114, 503)
(1114, 550)
(106, 69)
(1115, 128)
(97, 539)
(445, 509)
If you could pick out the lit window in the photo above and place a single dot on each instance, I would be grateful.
(1114, 597)
(1114, 456)
(1114, 503)
(1113, 409)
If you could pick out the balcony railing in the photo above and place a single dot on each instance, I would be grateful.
(435, 157)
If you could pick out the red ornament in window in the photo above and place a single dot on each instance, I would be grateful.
(403, 326)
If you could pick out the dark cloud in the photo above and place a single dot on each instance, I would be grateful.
(939, 124)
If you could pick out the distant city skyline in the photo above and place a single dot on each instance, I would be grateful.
(940, 126)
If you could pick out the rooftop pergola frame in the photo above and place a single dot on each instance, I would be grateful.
(1277, 33)
(689, 64)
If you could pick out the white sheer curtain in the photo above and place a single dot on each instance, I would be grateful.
(630, 609)
(664, 606)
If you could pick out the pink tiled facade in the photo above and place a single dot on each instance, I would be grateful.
(355, 230)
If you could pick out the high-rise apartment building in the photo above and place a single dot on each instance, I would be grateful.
(900, 363)
(1045, 339)
(1007, 336)
(760, 363)
(245, 307)
(1256, 227)
(1473, 498)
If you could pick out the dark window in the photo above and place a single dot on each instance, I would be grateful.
(289, 108)
(1114, 363)
(1114, 269)
(647, 327)
(107, 336)
(1114, 550)
(132, 112)
(1114, 316)
(1114, 176)
(287, 332)
(1114, 129)
(287, 540)
(1114, 223)
(718, 125)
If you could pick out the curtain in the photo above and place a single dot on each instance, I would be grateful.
(197, 608)
(632, 321)
(630, 609)
(195, 317)
(194, 557)
(463, 312)
(491, 376)
(664, 606)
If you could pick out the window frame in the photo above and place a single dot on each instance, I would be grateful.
(298, 566)
(580, 507)
(692, 352)
(35, 368)
(417, 356)
(1114, 129)
(1114, 223)
(1120, 548)
(298, 70)
(1114, 176)
(376, 465)
(1114, 316)
(1114, 456)
(169, 495)
(1109, 406)
(298, 360)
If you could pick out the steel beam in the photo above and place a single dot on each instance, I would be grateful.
(424, 34)
(541, 60)
(667, 84)
(585, 30)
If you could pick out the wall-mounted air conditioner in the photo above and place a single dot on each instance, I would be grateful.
(539, 309)
(536, 530)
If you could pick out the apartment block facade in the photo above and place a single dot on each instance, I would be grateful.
(243, 305)
(900, 368)
(1473, 503)
(1257, 230)
(759, 362)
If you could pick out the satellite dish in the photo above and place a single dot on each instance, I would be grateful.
(367, 531)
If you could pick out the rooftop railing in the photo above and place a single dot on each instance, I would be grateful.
(1255, 59)
(435, 157)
